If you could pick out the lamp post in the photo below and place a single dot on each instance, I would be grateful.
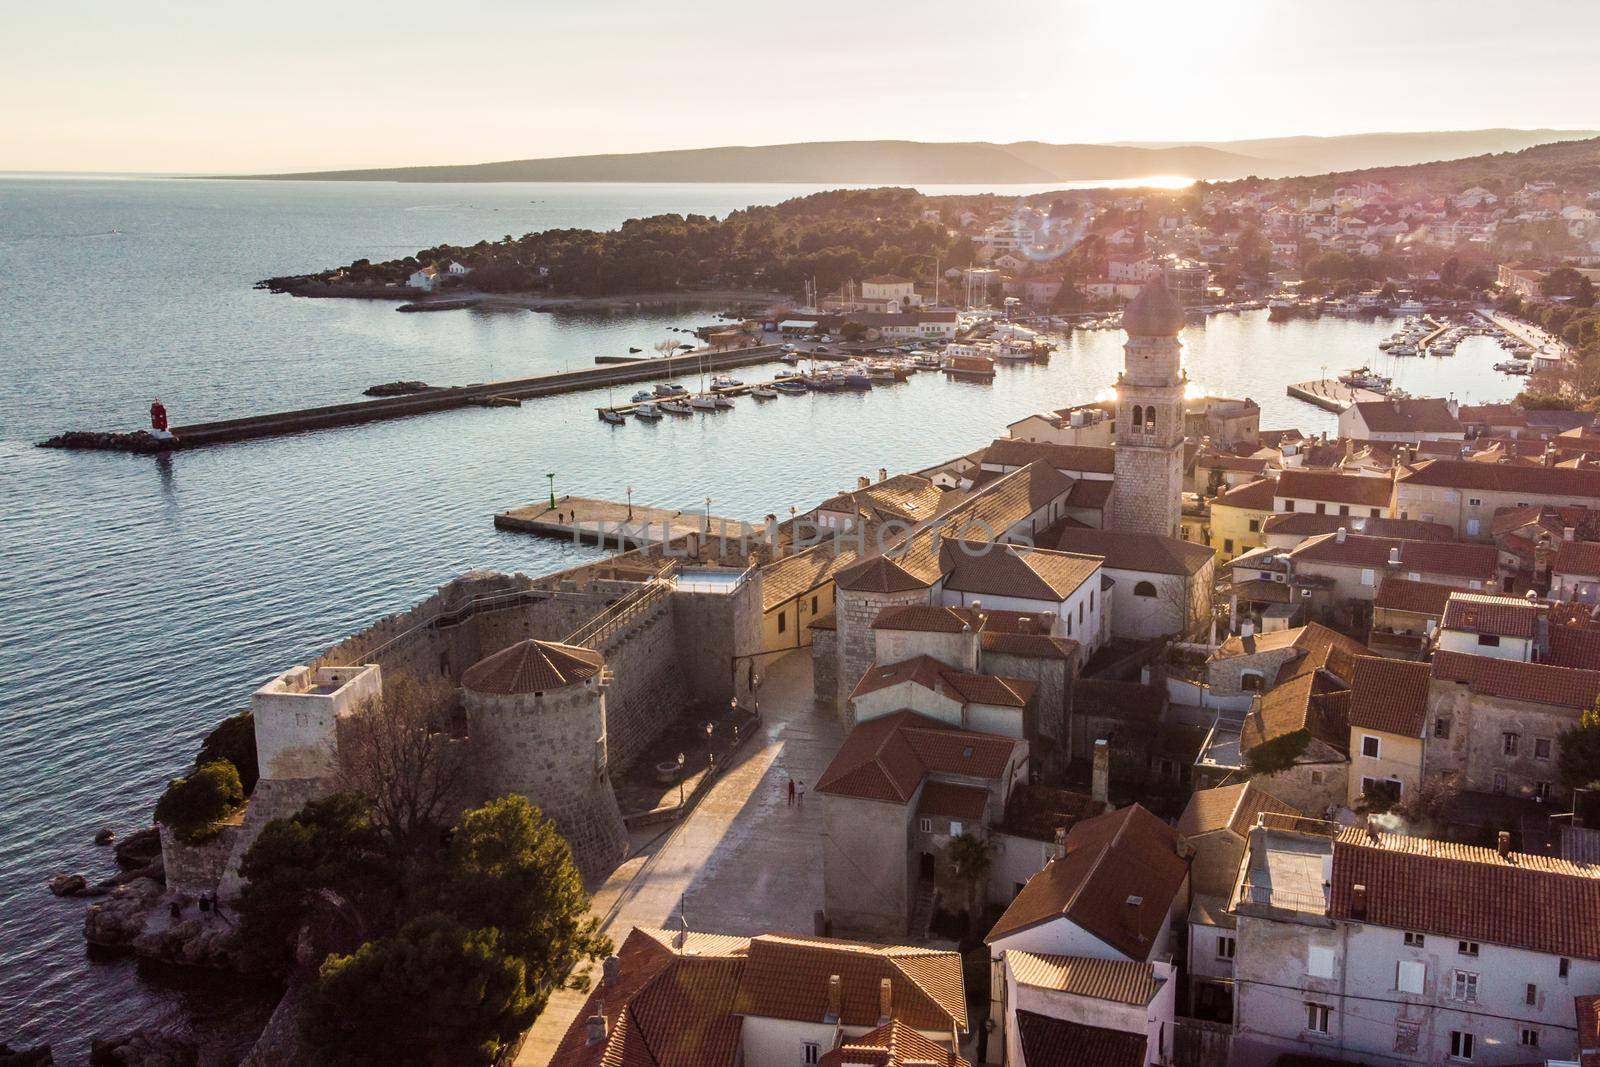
(630, 503)
(680, 779)
(708, 516)
(552, 477)
(711, 757)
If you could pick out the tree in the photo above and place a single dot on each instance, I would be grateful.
(329, 851)
(972, 857)
(395, 750)
(1580, 752)
(436, 993)
(509, 868)
(192, 807)
(234, 739)
(667, 348)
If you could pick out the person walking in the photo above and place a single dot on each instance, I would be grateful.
(802, 800)
(791, 792)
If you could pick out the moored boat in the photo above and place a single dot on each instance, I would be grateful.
(614, 417)
(647, 412)
(764, 392)
(675, 407)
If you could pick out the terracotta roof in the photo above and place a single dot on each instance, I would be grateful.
(1225, 461)
(1421, 415)
(1339, 488)
(1535, 482)
(892, 1045)
(1424, 557)
(1310, 524)
(940, 678)
(1091, 459)
(1117, 882)
(1540, 683)
(1052, 1042)
(1320, 649)
(1307, 702)
(1090, 493)
(965, 802)
(1230, 807)
(1574, 646)
(796, 575)
(1461, 891)
(887, 758)
(1037, 811)
(880, 574)
(1008, 570)
(1390, 695)
(1262, 591)
(1418, 598)
(830, 621)
(787, 978)
(1492, 414)
(907, 498)
(1123, 550)
(1033, 646)
(1256, 496)
(1121, 981)
(532, 667)
(1577, 557)
(926, 618)
(1506, 616)
(1587, 1009)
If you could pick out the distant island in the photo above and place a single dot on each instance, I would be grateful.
(892, 162)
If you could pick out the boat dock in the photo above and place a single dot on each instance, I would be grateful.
(1330, 394)
(611, 522)
(447, 398)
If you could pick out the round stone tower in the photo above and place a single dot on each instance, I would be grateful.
(1149, 459)
(536, 722)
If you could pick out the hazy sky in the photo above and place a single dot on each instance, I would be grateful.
(234, 86)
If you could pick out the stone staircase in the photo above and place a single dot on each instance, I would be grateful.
(922, 911)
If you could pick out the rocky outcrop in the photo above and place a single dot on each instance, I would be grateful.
(139, 847)
(38, 1056)
(143, 1048)
(119, 919)
(68, 885)
(201, 940)
(103, 441)
(396, 389)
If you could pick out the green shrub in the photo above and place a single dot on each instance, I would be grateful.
(193, 806)
(234, 740)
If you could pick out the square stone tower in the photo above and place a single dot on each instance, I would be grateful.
(1148, 497)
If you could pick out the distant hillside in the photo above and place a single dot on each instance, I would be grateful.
(974, 162)
(1315, 155)
(870, 162)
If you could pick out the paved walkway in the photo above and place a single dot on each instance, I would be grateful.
(743, 862)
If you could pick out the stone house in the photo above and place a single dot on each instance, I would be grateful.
(1575, 572)
(1228, 421)
(716, 1000)
(1160, 586)
(1396, 950)
(1388, 722)
(1410, 421)
(979, 702)
(1239, 515)
(1086, 424)
(895, 795)
(1465, 495)
(1118, 1013)
(1480, 625)
(1405, 616)
(1328, 493)
(1337, 575)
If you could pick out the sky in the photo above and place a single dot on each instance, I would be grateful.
(235, 87)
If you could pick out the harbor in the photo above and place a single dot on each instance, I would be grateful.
(623, 524)
(1332, 395)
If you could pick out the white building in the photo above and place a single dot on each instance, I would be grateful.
(426, 279)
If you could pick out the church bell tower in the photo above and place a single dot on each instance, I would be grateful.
(1148, 497)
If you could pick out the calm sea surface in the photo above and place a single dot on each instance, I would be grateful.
(142, 599)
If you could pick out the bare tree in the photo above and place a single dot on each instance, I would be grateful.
(396, 749)
(667, 347)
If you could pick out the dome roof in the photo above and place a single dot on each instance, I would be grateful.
(532, 667)
(1155, 312)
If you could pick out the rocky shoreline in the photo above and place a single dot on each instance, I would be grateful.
(104, 441)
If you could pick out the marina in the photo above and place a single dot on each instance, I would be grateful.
(614, 523)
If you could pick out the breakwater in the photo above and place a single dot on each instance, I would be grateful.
(444, 398)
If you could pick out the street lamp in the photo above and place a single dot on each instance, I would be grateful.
(630, 503)
(708, 516)
(680, 779)
(552, 477)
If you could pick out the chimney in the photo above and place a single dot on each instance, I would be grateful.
(1394, 556)
(1247, 629)
(835, 999)
(1341, 535)
(597, 1024)
(1568, 533)
(611, 970)
(1502, 844)
(1372, 829)
(883, 474)
(885, 1001)
(1349, 447)
(1060, 851)
(1358, 902)
(1100, 788)
(863, 481)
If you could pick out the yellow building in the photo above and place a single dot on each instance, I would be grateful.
(1237, 518)
(1388, 714)
(796, 590)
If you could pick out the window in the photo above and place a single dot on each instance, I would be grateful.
(1080, 612)
(1415, 940)
(1385, 789)
(1317, 1018)
(1374, 513)
(1499, 782)
(808, 1052)
(1531, 996)
(1460, 1045)
(1409, 976)
(1565, 968)
(783, 621)
(1255, 525)
(1322, 509)
(1541, 790)
(1144, 589)
(1367, 576)
(1225, 947)
(1489, 640)
(1370, 746)
(1474, 501)
(1316, 777)
(1509, 742)
(1542, 747)
(1464, 987)
(955, 829)
(813, 605)
(1530, 1037)
(1467, 948)
(1441, 727)
(925, 826)
(1251, 681)
(1227, 544)
(1344, 509)
(1319, 962)
(1091, 600)
(1138, 416)
(1288, 505)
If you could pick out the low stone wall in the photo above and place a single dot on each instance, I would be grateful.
(194, 870)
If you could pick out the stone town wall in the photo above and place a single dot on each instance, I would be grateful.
(648, 690)
(550, 748)
(196, 869)
(272, 798)
(825, 670)
(716, 636)
(858, 649)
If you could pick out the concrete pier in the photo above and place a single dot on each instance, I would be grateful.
(612, 522)
(1330, 394)
(450, 398)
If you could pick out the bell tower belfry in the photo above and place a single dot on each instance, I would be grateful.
(1148, 497)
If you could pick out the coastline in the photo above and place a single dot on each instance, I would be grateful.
(413, 300)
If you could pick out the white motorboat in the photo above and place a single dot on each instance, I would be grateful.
(644, 396)
(703, 402)
(675, 407)
(647, 412)
(720, 401)
(764, 392)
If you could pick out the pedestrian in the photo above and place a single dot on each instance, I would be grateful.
(802, 794)
(791, 792)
